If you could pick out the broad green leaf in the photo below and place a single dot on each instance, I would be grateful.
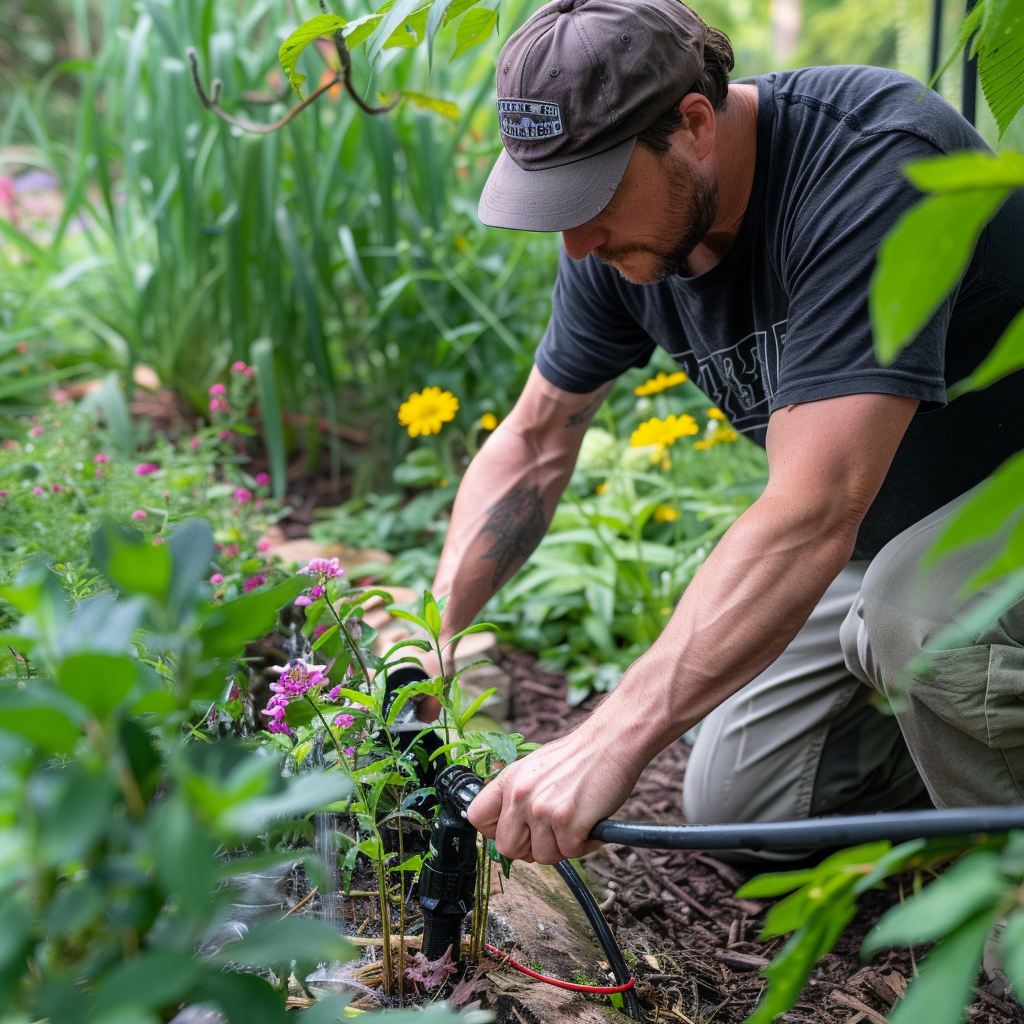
(98, 682)
(1011, 949)
(396, 14)
(1009, 559)
(132, 564)
(410, 33)
(970, 886)
(801, 906)
(243, 998)
(192, 546)
(986, 512)
(960, 172)
(360, 29)
(1004, 359)
(326, 635)
(1000, 44)
(774, 883)
(291, 49)
(475, 707)
(474, 28)
(921, 260)
(943, 991)
(44, 725)
(431, 614)
(301, 795)
(156, 979)
(480, 627)
(398, 613)
(302, 939)
(226, 628)
(443, 107)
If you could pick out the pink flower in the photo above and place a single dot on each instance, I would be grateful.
(344, 721)
(334, 693)
(262, 479)
(194, 443)
(36, 431)
(216, 579)
(99, 473)
(303, 601)
(157, 541)
(100, 458)
(327, 568)
(60, 396)
(3, 494)
(317, 592)
(219, 405)
(218, 389)
(139, 514)
(238, 366)
(57, 488)
(263, 545)
(249, 371)
(242, 495)
(38, 490)
(146, 468)
(350, 751)
(167, 495)
(224, 435)
(319, 632)
(253, 582)
(231, 549)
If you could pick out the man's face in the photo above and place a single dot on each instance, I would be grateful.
(658, 215)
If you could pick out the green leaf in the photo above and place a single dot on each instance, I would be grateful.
(1000, 43)
(967, 171)
(986, 512)
(474, 28)
(1005, 358)
(943, 991)
(480, 627)
(399, 613)
(301, 795)
(1009, 559)
(191, 545)
(475, 707)
(226, 628)
(291, 49)
(133, 565)
(261, 352)
(774, 883)
(243, 998)
(99, 682)
(302, 939)
(971, 885)
(157, 979)
(443, 107)
(431, 614)
(325, 636)
(395, 14)
(1011, 949)
(45, 725)
(921, 260)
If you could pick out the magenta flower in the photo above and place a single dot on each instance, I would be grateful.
(139, 514)
(327, 568)
(334, 693)
(317, 592)
(303, 601)
(36, 431)
(242, 495)
(263, 545)
(350, 751)
(224, 435)
(157, 541)
(99, 473)
(3, 494)
(100, 458)
(253, 582)
(38, 490)
(194, 443)
(263, 479)
(238, 366)
(319, 632)
(218, 389)
(344, 721)
(219, 405)
(57, 488)
(231, 550)
(146, 468)
(216, 578)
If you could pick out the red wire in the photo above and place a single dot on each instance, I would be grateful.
(603, 990)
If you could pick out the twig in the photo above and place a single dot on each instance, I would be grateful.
(298, 906)
(852, 1003)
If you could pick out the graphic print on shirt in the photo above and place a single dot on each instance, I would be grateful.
(742, 380)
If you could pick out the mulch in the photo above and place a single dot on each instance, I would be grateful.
(699, 954)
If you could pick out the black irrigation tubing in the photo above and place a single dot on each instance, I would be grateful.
(842, 830)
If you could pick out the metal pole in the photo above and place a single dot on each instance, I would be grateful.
(936, 40)
(969, 94)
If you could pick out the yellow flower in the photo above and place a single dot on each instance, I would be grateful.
(660, 382)
(424, 411)
(715, 414)
(666, 514)
(662, 432)
(723, 435)
(601, 489)
(488, 421)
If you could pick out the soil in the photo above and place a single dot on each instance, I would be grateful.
(698, 948)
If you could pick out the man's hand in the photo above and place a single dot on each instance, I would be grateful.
(543, 807)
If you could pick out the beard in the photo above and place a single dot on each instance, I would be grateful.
(689, 215)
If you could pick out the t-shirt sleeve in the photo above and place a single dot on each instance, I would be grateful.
(592, 337)
(827, 253)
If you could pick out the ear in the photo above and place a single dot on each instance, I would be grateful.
(698, 123)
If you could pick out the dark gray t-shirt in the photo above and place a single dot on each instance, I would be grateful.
(783, 318)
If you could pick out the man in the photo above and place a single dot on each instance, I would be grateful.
(736, 226)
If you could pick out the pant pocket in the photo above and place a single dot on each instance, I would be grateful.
(978, 690)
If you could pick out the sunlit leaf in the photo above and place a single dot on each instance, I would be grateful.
(961, 172)
(474, 29)
(291, 49)
(443, 107)
(1000, 44)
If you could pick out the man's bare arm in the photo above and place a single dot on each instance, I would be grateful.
(508, 495)
(827, 461)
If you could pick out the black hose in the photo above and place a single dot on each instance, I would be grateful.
(604, 934)
(843, 830)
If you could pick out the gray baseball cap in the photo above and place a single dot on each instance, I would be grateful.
(576, 85)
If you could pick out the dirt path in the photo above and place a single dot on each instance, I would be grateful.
(700, 955)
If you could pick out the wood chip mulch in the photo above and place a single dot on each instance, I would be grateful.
(699, 957)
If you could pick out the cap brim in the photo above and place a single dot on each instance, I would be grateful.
(553, 198)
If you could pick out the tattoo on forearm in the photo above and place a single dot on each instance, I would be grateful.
(517, 522)
(585, 414)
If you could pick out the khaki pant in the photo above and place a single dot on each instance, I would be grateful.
(839, 725)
